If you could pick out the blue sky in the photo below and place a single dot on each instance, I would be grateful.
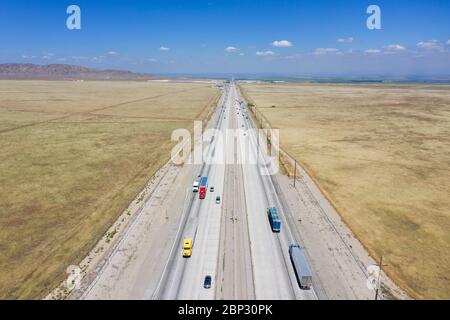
(320, 36)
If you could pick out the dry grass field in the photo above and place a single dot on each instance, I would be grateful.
(381, 153)
(73, 156)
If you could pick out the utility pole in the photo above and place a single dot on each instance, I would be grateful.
(379, 278)
(279, 154)
(257, 149)
(295, 171)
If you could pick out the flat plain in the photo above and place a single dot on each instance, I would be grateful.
(381, 154)
(73, 156)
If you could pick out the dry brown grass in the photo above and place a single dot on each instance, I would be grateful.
(73, 156)
(382, 155)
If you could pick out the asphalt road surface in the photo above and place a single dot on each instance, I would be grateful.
(233, 241)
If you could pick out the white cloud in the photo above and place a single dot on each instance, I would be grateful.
(98, 58)
(164, 49)
(345, 40)
(430, 45)
(48, 56)
(372, 51)
(395, 47)
(152, 60)
(320, 51)
(265, 53)
(28, 57)
(78, 58)
(231, 49)
(242, 54)
(448, 42)
(282, 43)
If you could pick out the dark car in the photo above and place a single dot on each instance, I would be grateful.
(207, 283)
(211, 189)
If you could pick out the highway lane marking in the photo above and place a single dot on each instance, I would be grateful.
(207, 167)
(274, 196)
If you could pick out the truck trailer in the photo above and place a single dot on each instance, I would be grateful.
(274, 219)
(203, 187)
(301, 267)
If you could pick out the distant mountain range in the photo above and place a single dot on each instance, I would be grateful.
(20, 71)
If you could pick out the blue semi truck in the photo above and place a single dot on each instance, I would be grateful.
(274, 219)
(203, 187)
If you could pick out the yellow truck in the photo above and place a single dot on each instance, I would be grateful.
(187, 248)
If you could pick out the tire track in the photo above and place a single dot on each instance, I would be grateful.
(92, 111)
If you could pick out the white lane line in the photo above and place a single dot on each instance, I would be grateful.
(176, 272)
(271, 280)
(190, 285)
(175, 244)
(272, 193)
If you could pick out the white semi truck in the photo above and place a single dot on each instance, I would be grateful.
(195, 186)
(301, 267)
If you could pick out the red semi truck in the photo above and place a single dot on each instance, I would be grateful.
(203, 188)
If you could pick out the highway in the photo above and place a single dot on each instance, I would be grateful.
(233, 241)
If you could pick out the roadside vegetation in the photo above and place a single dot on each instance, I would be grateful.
(381, 154)
(73, 156)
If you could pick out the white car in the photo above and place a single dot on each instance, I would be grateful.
(218, 200)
